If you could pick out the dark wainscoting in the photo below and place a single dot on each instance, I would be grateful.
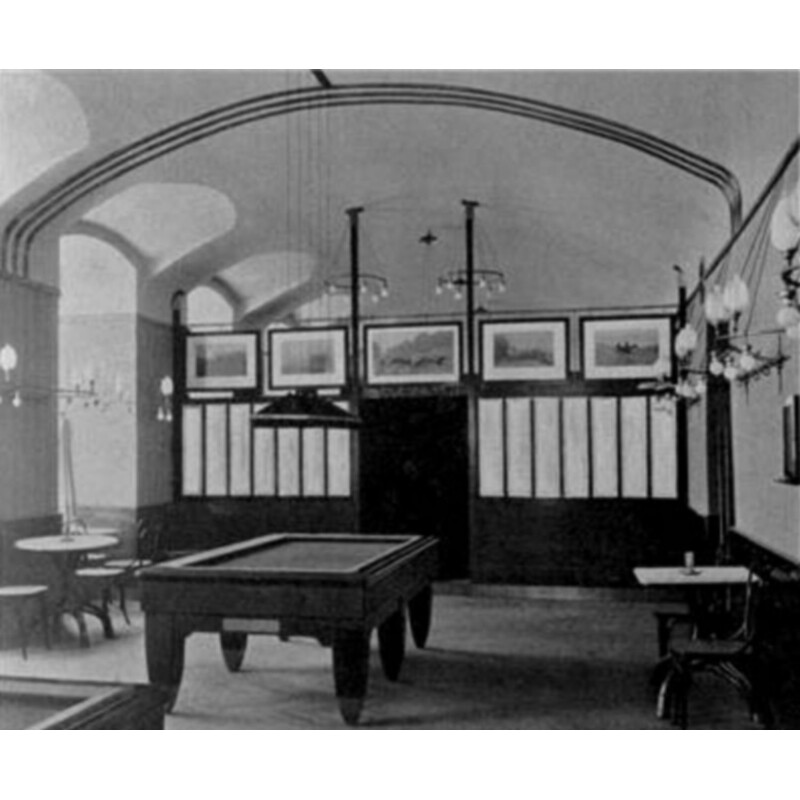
(579, 542)
(193, 525)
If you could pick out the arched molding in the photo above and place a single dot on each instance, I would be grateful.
(26, 225)
(111, 237)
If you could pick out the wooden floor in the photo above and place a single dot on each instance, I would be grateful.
(492, 662)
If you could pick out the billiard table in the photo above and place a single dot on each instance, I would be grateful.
(45, 704)
(336, 588)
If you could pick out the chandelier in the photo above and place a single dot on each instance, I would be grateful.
(785, 236)
(376, 287)
(456, 281)
(472, 278)
(731, 354)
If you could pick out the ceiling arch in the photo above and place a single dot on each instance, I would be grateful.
(27, 224)
(48, 126)
(165, 221)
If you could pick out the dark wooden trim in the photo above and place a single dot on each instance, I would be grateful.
(648, 443)
(228, 449)
(589, 447)
(504, 445)
(561, 459)
(532, 402)
(620, 451)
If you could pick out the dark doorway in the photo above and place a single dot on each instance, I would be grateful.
(414, 473)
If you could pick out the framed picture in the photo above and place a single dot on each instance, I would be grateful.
(413, 353)
(629, 347)
(222, 361)
(310, 357)
(517, 350)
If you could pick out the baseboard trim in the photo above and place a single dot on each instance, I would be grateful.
(517, 592)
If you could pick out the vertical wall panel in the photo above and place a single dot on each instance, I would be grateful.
(264, 473)
(576, 447)
(663, 449)
(518, 448)
(338, 463)
(216, 449)
(605, 467)
(634, 446)
(192, 451)
(313, 462)
(490, 448)
(240, 449)
(288, 462)
(547, 446)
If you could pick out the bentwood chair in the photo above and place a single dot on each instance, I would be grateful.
(17, 598)
(101, 579)
(147, 552)
(737, 659)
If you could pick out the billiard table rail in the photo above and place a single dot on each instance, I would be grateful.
(218, 559)
(88, 705)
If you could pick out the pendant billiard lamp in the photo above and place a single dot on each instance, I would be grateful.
(304, 408)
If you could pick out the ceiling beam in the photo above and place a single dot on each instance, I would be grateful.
(323, 80)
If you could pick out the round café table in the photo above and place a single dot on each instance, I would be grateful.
(67, 554)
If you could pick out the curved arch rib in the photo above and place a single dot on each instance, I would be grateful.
(22, 230)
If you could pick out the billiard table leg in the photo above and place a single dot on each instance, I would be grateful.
(233, 643)
(392, 643)
(420, 608)
(351, 671)
(164, 645)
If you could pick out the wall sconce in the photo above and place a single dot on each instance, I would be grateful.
(166, 389)
(8, 363)
(8, 360)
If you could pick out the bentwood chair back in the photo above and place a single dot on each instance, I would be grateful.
(736, 659)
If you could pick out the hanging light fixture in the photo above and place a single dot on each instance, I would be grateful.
(491, 281)
(376, 287)
(458, 282)
(785, 236)
(303, 409)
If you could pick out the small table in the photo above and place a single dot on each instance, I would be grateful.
(46, 704)
(333, 587)
(67, 552)
(696, 582)
(700, 576)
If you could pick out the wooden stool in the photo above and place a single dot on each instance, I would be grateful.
(17, 597)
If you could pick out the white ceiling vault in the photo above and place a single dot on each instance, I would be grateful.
(591, 185)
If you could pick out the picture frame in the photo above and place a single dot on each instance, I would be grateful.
(413, 353)
(307, 357)
(524, 350)
(227, 361)
(620, 348)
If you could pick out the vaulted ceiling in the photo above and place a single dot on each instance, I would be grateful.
(590, 185)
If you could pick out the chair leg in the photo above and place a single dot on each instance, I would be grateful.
(45, 619)
(122, 606)
(23, 630)
(683, 683)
